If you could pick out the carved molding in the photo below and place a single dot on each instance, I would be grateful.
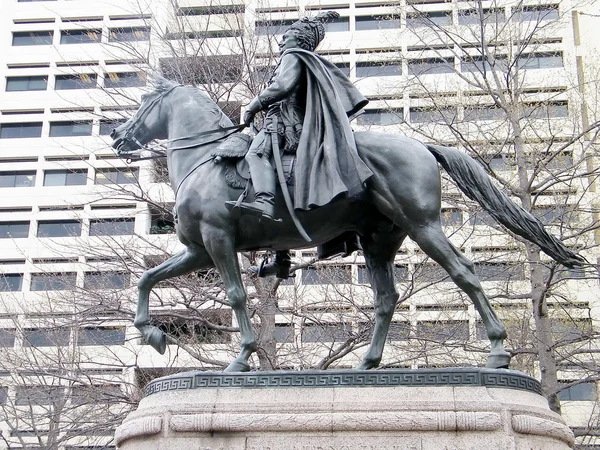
(361, 421)
(542, 427)
(138, 427)
(494, 378)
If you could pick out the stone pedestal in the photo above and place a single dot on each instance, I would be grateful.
(433, 409)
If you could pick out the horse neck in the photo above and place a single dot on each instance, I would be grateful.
(189, 116)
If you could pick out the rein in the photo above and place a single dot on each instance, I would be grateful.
(161, 154)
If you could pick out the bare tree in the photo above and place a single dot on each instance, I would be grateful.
(475, 85)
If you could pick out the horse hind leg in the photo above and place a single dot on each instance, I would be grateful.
(436, 245)
(379, 251)
(180, 264)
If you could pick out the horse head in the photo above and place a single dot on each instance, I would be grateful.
(146, 124)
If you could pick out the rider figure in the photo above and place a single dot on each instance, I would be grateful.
(307, 93)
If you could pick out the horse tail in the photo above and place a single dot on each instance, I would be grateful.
(473, 180)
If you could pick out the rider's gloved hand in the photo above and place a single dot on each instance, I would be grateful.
(248, 117)
(254, 107)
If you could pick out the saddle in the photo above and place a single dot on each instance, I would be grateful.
(231, 154)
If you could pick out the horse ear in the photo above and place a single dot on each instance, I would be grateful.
(160, 81)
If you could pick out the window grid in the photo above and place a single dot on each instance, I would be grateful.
(27, 83)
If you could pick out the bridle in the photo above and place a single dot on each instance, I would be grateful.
(137, 125)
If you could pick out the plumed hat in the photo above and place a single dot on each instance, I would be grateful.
(312, 29)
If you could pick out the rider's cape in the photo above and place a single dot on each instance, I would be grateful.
(327, 161)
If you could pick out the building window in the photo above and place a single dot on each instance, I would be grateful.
(20, 130)
(378, 69)
(111, 227)
(483, 113)
(451, 217)
(540, 61)
(11, 282)
(284, 333)
(59, 228)
(106, 280)
(479, 64)
(75, 177)
(400, 274)
(442, 331)
(569, 329)
(578, 392)
(124, 79)
(17, 179)
(210, 10)
(46, 337)
(431, 273)
(38, 395)
(198, 333)
(203, 69)
(129, 34)
(14, 230)
(7, 338)
(31, 83)
(3, 395)
(499, 271)
(327, 274)
(430, 66)
(390, 116)
(162, 220)
(377, 22)
(79, 36)
(399, 331)
(327, 332)
(537, 13)
(66, 129)
(472, 17)
(53, 281)
(337, 24)
(116, 176)
(24, 38)
(70, 82)
(432, 115)
(481, 218)
(95, 395)
(101, 336)
(424, 19)
(106, 126)
(271, 28)
(546, 110)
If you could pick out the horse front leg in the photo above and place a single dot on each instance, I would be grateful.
(220, 245)
(180, 264)
(379, 254)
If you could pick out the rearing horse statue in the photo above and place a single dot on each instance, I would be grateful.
(403, 198)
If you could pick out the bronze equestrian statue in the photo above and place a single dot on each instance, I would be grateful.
(381, 187)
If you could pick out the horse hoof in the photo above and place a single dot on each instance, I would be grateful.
(367, 365)
(238, 366)
(157, 339)
(498, 361)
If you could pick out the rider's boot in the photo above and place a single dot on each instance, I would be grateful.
(280, 266)
(263, 180)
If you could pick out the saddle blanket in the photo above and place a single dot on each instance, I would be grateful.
(232, 152)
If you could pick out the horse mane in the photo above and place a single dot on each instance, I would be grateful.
(209, 105)
(203, 100)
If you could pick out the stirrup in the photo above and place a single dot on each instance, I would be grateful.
(249, 209)
(281, 270)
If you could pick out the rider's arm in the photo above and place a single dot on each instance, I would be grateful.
(286, 79)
